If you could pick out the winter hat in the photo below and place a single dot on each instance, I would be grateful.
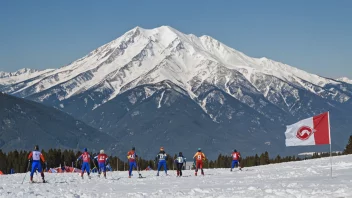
(235, 150)
(102, 151)
(180, 154)
(199, 149)
(133, 149)
(85, 149)
(36, 147)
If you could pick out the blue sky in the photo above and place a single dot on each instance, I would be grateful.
(314, 35)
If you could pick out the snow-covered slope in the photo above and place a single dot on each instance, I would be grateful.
(144, 56)
(21, 75)
(24, 71)
(310, 178)
(345, 79)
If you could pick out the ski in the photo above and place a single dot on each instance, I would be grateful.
(115, 179)
(38, 182)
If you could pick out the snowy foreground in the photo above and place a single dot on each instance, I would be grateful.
(309, 178)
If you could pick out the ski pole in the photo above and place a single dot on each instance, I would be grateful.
(96, 167)
(140, 175)
(29, 162)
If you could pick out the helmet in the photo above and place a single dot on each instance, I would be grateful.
(161, 148)
(85, 149)
(199, 149)
(36, 147)
(133, 149)
(102, 151)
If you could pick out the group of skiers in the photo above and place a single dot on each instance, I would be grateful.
(180, 160)
(35, 156)
(132, 158)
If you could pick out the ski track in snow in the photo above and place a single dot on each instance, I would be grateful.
(309, 178)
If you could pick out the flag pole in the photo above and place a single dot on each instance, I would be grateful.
(330, 161)
(330, 145)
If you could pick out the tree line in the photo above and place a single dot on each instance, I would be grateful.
(18, 162)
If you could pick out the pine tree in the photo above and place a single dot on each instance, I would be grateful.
(262, 159)
(266, 157)
(256, 160)
(348, 149)
(3, 164)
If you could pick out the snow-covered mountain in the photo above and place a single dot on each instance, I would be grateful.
(23, 71)
(143, 56)
(345, 79)
(148, 65)
(8, 78)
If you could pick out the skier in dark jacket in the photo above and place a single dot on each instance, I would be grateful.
(179, 161)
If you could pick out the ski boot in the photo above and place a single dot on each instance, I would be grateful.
(195, 174)
(42, 174)
(157, 174)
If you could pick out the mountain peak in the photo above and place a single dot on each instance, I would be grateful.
(142, 56)
(345, 79)
(17, 73)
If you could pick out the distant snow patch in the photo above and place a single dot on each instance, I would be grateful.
(161, 98)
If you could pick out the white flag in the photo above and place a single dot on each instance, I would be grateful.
(311, 131)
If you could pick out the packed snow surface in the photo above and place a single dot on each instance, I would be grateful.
(310, 178)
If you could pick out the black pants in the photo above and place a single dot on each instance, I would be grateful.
(179, 168)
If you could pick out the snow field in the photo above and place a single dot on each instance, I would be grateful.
(309, 178)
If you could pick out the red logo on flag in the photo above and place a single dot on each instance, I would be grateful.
(304, 132)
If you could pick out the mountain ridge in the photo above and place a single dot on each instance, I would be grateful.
(24, 123)
(246, 64)
(202, 70)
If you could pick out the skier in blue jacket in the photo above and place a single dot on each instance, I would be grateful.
(161, 159)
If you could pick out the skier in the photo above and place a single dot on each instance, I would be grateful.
(102, 159)
(161, 159)
(36, 156)
(132, 157)
(179, 161)
(199, 157)
(86, 160)
(235, 159)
